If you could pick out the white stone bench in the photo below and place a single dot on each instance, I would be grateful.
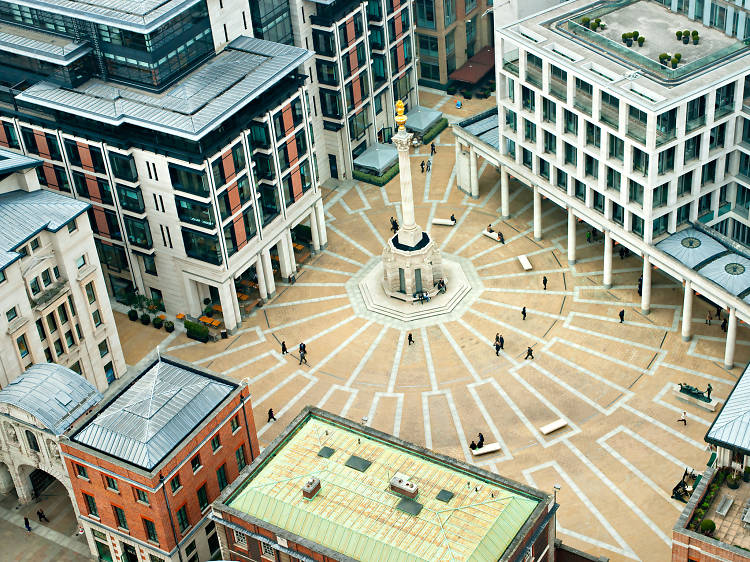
(488, 448)
(492, 235)
(554, 426)
(444, 222)
(726, 503)
(525, 262)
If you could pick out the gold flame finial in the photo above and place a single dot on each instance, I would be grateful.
(400, 117)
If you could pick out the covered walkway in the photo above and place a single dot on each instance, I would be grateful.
(703, 260)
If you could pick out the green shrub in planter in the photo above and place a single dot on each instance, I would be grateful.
(625, 37)
(377, 180)
(733, 482)
(678, 56)
(133, 314)
(707, 526)
(674, 62)
(641, 40)
(169, 326)
(634, 35)
(695, 38)
(451, 89)
(694, 33)
(466, 94)
(679, 35)
(145, 319)
(585, 22)
(158, 323)
(434, 131)
(685, 36)
(196, 331)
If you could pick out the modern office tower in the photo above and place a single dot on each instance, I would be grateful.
(199, 166)
(449, 32)
(649, 150)
(53, 298)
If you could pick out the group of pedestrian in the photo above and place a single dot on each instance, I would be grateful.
(40, 514)
(479, 443)
(302, 351)
(724, 321)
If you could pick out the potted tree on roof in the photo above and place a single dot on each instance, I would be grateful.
(695, 37)
(686, 37)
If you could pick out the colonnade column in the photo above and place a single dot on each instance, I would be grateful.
(292, 258)
(731, 339)
(282, 247)
(646, 286)
(607, 259)
(473, 173)
(260, 276)
(268, 272)
(321, 218)
(314, 231)
(537, 213)
(228, 311)
(571, 237)
(687, 311)
(504, 193)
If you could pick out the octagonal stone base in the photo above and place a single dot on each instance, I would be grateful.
(369, 299)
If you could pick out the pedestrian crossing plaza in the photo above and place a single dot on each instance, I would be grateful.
(592, 411)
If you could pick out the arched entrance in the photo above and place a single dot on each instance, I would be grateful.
(48, 494)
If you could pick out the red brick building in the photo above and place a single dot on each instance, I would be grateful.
(331, 489)
(146, 464)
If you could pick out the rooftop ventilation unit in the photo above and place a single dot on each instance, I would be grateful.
(311, 488)
(401, 484)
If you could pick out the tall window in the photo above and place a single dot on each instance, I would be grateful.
(31, 440)
(449, 9)
(150, 530)
(202, 497)
(122, 523)
(240, 456)
(90, 505)
(182, 519)
(221, 476)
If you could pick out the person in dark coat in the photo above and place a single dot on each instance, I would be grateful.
(410, 339)
(27, 524)
(621, 314)
(284, 350)
(523, 312)
(529, 353)
(422, 166)
(271, 417)
(544, 282)
(480, 443)
(432, 149)
(42, 517)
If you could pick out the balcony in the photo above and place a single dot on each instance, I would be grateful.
(49, 294)
(637, 130)
(610, 115)
(534, 75)
(558, 88)
(511, 66)
(582, 101)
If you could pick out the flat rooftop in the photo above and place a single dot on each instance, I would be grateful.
(635, 70)
(142, 16)
(40, 45)
(192, 107)
(151, 416)
(460, 513)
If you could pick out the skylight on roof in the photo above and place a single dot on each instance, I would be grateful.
(358, 463)
(409, 506)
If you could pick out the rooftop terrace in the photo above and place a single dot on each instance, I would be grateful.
(460, 512)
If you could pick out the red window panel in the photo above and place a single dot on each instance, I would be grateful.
(228, 162)
(49, 175)
(291, 149)
(356, 90)
(239, 232)
(350, 32)
(400, 58)
(86, 161)
(398, 25)
(93, 186)
(286, 115)
(3, 137)
(101, 221)
(234, 197)
(396, 5)
(41, 144)
(353, 60)
(296, 184)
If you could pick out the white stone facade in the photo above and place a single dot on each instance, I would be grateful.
(54, 305)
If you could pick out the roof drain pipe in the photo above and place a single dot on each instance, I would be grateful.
(171, 519)
(247, 430)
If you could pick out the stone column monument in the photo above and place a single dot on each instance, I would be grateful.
(411, 260)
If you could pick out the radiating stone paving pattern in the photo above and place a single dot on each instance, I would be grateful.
(622, 451)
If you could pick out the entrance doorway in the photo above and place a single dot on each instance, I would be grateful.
(418, 280)
(40, 481)
(333, 166)
(401, 280)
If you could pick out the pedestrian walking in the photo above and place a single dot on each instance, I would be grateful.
(622, 316)
(724, 325)
(683, 418)
(718, 313)
(27, 524)
(453, 217)
(497, 348)
(421, 165)
(500, 237)
(271, 417)
(501, 341)
(480, 442)
(640, 286)
(523, 312)
(429, 163)
(588, 237)
(42, 517)
(622, 253)
(433, 150)
(302, 347)
(410, 338)
(303, 357)
(284, 350)
(529, 353)
(708, 318)
(544, 282)
(497, 337)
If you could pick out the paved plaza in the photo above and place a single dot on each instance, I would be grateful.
(622, 451)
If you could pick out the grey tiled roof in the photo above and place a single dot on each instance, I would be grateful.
(39, 45)
(195, 105)
(484, 126)
(731, 428)
(13, 161)
(148, 419)
(54, 394)
(23, 214)
(141, 16)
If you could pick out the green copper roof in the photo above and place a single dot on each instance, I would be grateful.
(355, 513)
